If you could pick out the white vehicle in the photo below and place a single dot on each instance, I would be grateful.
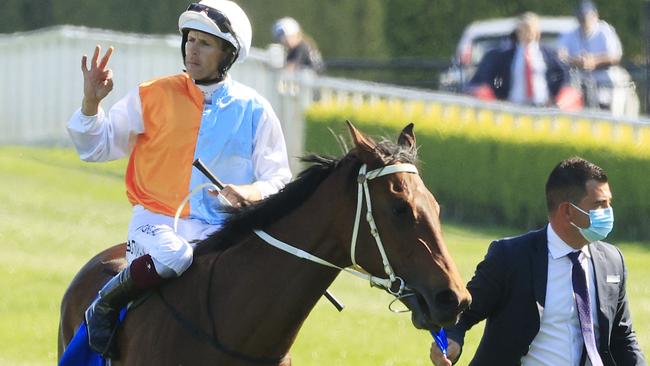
(484, 35)
(614, 91)
(617, 94)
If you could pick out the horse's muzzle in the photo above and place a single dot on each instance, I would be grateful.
(432, 312)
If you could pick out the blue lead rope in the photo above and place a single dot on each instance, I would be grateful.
(441, 340)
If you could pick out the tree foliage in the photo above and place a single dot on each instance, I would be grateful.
(427, 28)
(341, 28)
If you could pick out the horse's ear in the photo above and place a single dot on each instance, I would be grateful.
(366, 147)
(407, 137)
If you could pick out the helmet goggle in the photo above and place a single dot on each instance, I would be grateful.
(219, 19)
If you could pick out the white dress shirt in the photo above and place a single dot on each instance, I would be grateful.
(518, 76)
(559, 340)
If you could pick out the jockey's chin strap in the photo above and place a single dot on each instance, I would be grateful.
(362, 180)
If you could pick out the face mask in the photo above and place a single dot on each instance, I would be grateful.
(601, 223)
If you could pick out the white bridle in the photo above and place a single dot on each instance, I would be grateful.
(362, 180)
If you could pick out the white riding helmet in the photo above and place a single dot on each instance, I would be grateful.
(222, 18)
(284, 27)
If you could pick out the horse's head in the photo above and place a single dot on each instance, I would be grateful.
(406, 216)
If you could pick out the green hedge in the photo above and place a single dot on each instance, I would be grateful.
(494, 173)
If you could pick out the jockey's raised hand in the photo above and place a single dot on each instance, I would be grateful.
(98, 80)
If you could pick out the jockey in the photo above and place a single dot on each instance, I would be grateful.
(162, 126)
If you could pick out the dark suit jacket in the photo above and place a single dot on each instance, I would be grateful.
(495, 71)
(509, 290)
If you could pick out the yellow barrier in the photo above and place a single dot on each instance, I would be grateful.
(454, 118)
(493, 163)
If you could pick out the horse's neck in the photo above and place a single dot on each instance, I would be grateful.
(265, 293)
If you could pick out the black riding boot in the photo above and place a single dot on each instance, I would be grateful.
(103, 313)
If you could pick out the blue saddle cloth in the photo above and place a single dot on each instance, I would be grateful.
(78, 352)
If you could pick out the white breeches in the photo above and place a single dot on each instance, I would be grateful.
(153, 234)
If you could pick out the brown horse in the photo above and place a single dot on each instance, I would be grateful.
(243, 301)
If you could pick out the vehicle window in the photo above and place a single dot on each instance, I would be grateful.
(550, 39)
(482, 45)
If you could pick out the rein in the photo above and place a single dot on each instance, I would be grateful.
(362, 180)
(386, 283)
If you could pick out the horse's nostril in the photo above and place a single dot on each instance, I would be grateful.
(447, 299)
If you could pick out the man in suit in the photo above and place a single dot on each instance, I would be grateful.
(554, 296)
(525, 72)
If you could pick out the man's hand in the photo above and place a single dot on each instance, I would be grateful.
(98, 81)
(438, 359)
(588, 62)
(239, 195)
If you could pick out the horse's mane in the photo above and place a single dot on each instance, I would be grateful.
(260, 214)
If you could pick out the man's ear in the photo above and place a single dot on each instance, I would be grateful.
(366, 148)
(564, 211)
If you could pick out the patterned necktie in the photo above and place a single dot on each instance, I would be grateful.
(584, 313)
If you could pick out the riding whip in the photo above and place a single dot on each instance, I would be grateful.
(198, 164)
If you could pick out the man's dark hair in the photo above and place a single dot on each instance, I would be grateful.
(567, 182)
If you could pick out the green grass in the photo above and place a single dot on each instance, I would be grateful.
(56, 212)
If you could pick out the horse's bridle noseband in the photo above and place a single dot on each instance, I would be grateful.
(362, 180)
